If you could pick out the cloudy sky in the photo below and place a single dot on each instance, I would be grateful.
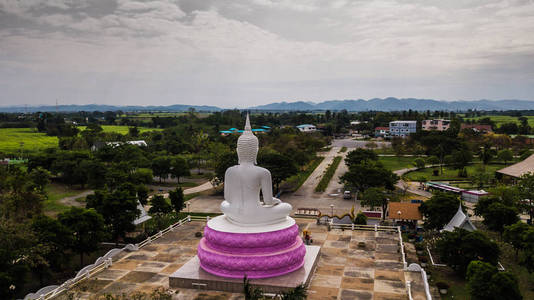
(238, 53)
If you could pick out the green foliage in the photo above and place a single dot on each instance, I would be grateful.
(87, 227)
(498, 215)
(369, 174)
(505, 155)
(251, 293)
(459, 247)
(226, 161)
(281, 167)
(526, 191)
(159, 205)
(359, 156)
(161, 166)
(108, 204)
(143, 175)
(419, 163)
(177, 199)
(328, 174)
(375, 197)
(360, 219)
(55, 237)
(515, 235)
(485, 282)
(142, 194)
(439, 210)
(179, 168)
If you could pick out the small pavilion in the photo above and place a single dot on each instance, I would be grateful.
(460, 220)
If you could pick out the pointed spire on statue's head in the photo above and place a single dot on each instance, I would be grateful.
(247, 144)
(248, 128)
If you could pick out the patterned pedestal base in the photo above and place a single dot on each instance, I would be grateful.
(256, 255)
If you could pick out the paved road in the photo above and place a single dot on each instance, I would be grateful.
(412, 187)
(71, 201)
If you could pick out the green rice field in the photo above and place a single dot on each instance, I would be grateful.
(504, 119)
(11, 138)
(120, 128)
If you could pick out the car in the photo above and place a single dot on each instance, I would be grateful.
(347, 195)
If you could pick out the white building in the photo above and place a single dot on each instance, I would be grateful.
(460, 220)
(473, 195)
(306, 128)
(402, 128)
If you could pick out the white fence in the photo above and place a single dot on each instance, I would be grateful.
(417, 268)
(103, 262)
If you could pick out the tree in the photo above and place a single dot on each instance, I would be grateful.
(161, 167)
(159, 205)
(119, 209)
(439, 210)
(53, 239)
(485, 282)
(179, 168)
(143, 175)
(505, 155)
(419, 163)
(461, 158)
(40, 178)
(177, 199)
(459, 247)
(142, 194)
(360, 219)
(87, 227)
(360, 155)
(486, 154)
(526, 191)
(514, 234)
(226, 161)
(479, 276)
(375, 197)
(133, 131)
(369, 174)
(281, 167)
(498, 215)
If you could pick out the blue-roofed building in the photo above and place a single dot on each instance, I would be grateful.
(307, 128)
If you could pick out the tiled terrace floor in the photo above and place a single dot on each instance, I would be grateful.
(345, 270)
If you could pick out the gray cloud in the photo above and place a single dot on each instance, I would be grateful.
(242, 52)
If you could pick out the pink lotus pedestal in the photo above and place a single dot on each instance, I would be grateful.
(272, 256)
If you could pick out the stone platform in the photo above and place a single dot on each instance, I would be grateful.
(192, 276)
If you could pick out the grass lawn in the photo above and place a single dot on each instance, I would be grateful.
(452, 174)
(10, 139)
(55, 192)
(504, 119)
(120, 128)
(397, 162)
(457, 289)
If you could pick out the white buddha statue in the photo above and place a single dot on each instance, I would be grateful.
(242, 185)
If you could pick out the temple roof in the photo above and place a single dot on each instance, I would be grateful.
(408, 211)
(460, 220)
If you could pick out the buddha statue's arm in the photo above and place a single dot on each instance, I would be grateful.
(227, 186)
(267, 189)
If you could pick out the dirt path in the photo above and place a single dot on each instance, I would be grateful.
(71, 201)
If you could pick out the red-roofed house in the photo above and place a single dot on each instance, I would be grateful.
(477, 127)
(381, 131)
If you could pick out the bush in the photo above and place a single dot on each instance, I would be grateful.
(419, 247)
(327, 176)
(360, 219)
(435, 172)
(198, 234)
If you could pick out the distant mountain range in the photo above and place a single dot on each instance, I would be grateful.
(376, 104)
(394, 104)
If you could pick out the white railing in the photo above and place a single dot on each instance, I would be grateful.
(417, 268)
(409, 290)
(432, 259)
(404, 264)
(102, 263)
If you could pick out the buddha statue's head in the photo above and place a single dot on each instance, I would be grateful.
(247, 145)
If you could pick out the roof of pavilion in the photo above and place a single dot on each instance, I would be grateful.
(519, 169)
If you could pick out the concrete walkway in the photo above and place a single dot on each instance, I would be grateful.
(71, 201)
